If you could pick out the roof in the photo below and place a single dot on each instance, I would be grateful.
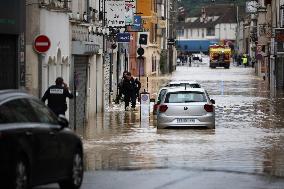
(182, 81)
(180, 89)
(226, 13)
(195, 45)
(6, 94)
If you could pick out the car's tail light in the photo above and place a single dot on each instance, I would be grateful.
(208, 107)
(163, 108)
(155, 107)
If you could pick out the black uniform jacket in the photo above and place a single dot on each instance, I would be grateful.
(56, 96)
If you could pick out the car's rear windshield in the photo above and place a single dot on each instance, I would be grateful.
(185, 97)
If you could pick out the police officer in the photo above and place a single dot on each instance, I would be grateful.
(56, 96)
(130, 88)
(119, 87)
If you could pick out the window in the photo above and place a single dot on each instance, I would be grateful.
(210, 32)
(162, 94)
(185, 97)
(154, 63)
(43, 114)
(17, 111)
(180, 33)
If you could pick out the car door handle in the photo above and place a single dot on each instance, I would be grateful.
(52, 133)
(29, 133)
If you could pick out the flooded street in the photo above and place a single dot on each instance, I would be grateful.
(249, 134)
(246, 150)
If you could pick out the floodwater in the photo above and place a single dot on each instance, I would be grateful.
(249, 134)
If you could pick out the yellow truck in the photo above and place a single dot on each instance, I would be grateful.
(220, 56)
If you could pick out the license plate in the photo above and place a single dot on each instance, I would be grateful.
(185, 120)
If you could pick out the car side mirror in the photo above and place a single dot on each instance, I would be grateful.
(62, 121)
(212, 101)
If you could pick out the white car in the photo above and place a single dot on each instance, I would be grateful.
(189, 107)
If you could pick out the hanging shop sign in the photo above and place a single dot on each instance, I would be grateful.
(114, 13)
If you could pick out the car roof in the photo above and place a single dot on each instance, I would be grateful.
(183, 81)
(12, 93)
(181, 89)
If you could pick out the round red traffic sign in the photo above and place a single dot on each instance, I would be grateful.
(41, 44)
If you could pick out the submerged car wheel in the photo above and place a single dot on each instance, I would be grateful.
(76, 175)
(21, 177)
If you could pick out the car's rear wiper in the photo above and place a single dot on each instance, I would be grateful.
(190, 101)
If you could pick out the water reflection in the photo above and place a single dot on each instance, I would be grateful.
(248, 136)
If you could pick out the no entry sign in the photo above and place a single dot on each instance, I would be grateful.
(41, 44)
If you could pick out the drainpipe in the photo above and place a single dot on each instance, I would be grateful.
(88, 10)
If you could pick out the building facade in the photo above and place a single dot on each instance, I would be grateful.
(75, 54)
(214, 24)
(149, 65)
(12, 44)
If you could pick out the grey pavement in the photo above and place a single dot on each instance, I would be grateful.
(176, 178)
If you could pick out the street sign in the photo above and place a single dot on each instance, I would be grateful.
(171, 41)
(145, 108)
(41, 44)
(115, 13)
(123, 37)
(137, 23)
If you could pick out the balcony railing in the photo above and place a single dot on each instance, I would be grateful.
(63, 5)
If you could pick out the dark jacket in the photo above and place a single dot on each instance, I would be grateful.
(56, 96)
(131, 86)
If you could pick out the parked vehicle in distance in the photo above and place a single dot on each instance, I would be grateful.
(36, 146)
(189, 107)
(178, 62)
(197, 57)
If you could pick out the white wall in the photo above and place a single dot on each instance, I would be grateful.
(91, 92)
(222, 31)
(226, 31)
(56, 61)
